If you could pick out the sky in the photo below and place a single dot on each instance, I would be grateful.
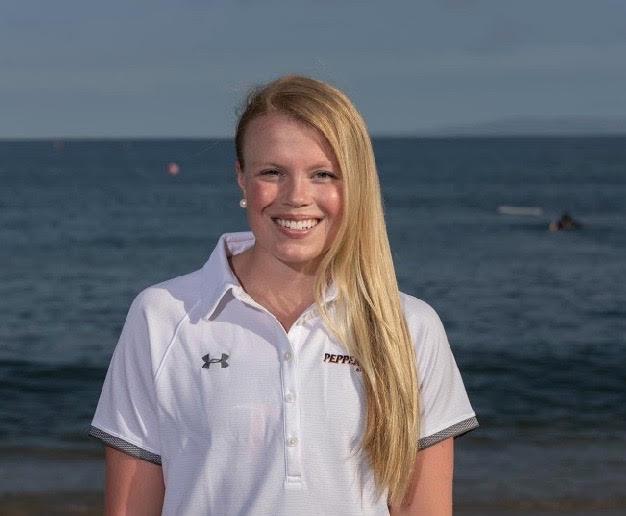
(181, 68)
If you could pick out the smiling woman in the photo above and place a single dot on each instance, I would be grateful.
(289, 375)
(290, 179)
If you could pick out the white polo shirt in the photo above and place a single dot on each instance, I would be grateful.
(246, 418)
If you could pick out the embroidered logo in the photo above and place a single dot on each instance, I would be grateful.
(208, 361)
(342, 359)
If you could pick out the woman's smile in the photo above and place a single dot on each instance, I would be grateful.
(296, 228)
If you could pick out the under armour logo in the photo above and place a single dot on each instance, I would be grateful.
(208, 361)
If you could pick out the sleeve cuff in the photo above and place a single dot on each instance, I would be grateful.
(122, 445)
(456, 430)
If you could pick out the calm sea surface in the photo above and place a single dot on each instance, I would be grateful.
(536, 320)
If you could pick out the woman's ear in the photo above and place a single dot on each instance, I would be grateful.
(239, 173)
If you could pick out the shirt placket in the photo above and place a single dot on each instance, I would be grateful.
(291, 406)
(289, 344)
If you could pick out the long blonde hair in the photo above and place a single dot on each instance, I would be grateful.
(368, 319)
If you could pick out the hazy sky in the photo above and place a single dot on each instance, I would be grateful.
(181, 67)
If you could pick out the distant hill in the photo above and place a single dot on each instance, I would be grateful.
(540, 126)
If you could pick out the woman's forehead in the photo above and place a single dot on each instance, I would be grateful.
(280, 126)
(277, 136)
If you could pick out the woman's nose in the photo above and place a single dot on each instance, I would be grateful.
(297, 191)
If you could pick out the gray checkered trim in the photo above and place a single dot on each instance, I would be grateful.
(124, 446)
(455, 430)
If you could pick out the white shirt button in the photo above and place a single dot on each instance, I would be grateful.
(290, 397)
(292, 441)
(287, 355)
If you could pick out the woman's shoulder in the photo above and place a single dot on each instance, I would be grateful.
(170, 299)
(416, 308)
(420, 316)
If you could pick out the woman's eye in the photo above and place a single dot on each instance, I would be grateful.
(323, 174)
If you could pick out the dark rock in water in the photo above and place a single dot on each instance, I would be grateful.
(565, 223)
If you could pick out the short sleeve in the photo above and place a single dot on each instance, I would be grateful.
(126, 414)
(446, 410)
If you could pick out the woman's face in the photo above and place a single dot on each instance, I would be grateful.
(293, 187)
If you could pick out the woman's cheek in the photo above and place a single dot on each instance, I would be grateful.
(332, 200)
(262, 195)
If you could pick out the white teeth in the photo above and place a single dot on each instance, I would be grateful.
(297, 224)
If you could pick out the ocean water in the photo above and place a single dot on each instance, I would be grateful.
(536, 320)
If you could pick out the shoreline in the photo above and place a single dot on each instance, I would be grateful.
(83, 503)
(91, 503)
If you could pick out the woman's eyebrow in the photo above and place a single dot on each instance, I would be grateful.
(324, 165)
(265, 164)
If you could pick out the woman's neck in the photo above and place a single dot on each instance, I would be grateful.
(285, 292)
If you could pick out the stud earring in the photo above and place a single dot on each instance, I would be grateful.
(243, 203)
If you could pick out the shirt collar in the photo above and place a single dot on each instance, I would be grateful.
(219, 276)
